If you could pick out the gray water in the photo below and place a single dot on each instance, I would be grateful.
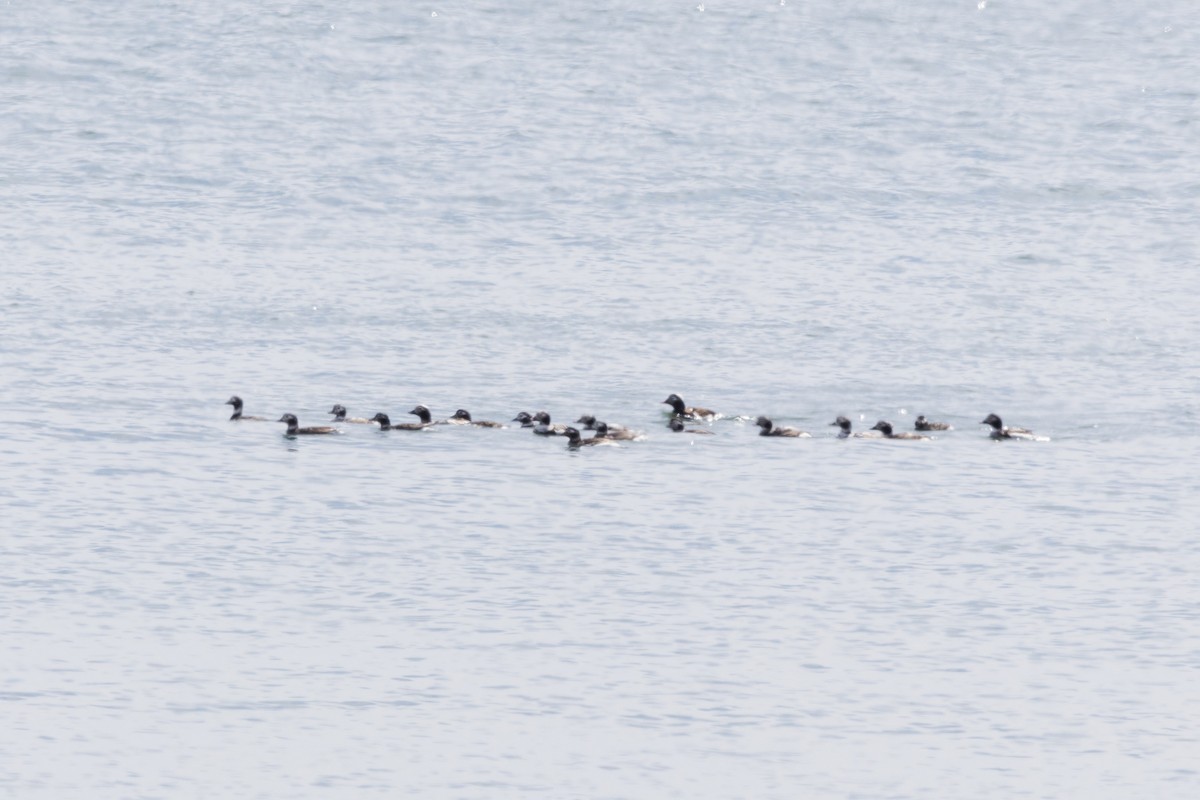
(806, 209)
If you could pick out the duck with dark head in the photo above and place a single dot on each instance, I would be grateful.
(425, 415)
(463, 417)
(885, 427)
(544, 427)
(619, 434)
(238, 416)
(294, 429)
(385, 423)
(589, 424)
(339, 415)
(845, 432)
(1000, 432)
(676, 425)
(680, 410)
(576, 441)
(769, 428)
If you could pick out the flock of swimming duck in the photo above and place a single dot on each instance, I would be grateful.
(611, 433)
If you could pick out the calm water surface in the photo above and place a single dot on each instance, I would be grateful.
(800, 209)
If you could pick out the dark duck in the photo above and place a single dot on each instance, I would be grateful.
(425, 415)
(463, 417)
(339, 415)
(545, 428)
(618, 434)
(589, 424)
(575, 440)
(885, 428)
(769, 428)
(686, 412)
(294, 429)
(385, 424)
(236, 402)
(845, 432)
(923, 424)
(676, 425)
(999, 431)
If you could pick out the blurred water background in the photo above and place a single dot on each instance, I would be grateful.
(802, 209)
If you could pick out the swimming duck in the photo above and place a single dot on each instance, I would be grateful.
(589, 424)
(923, 424)
(385, 424)
(525, 419)
(425, 415)
(463, 417)
(676, 425)
(678, 409)
(1000, 432)
(545, 428)
(769, 429)
(622, 434)
(575, 441)
(294, 429)
(886, 429)
(845, 433)
(339, 415)
(236, 402)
